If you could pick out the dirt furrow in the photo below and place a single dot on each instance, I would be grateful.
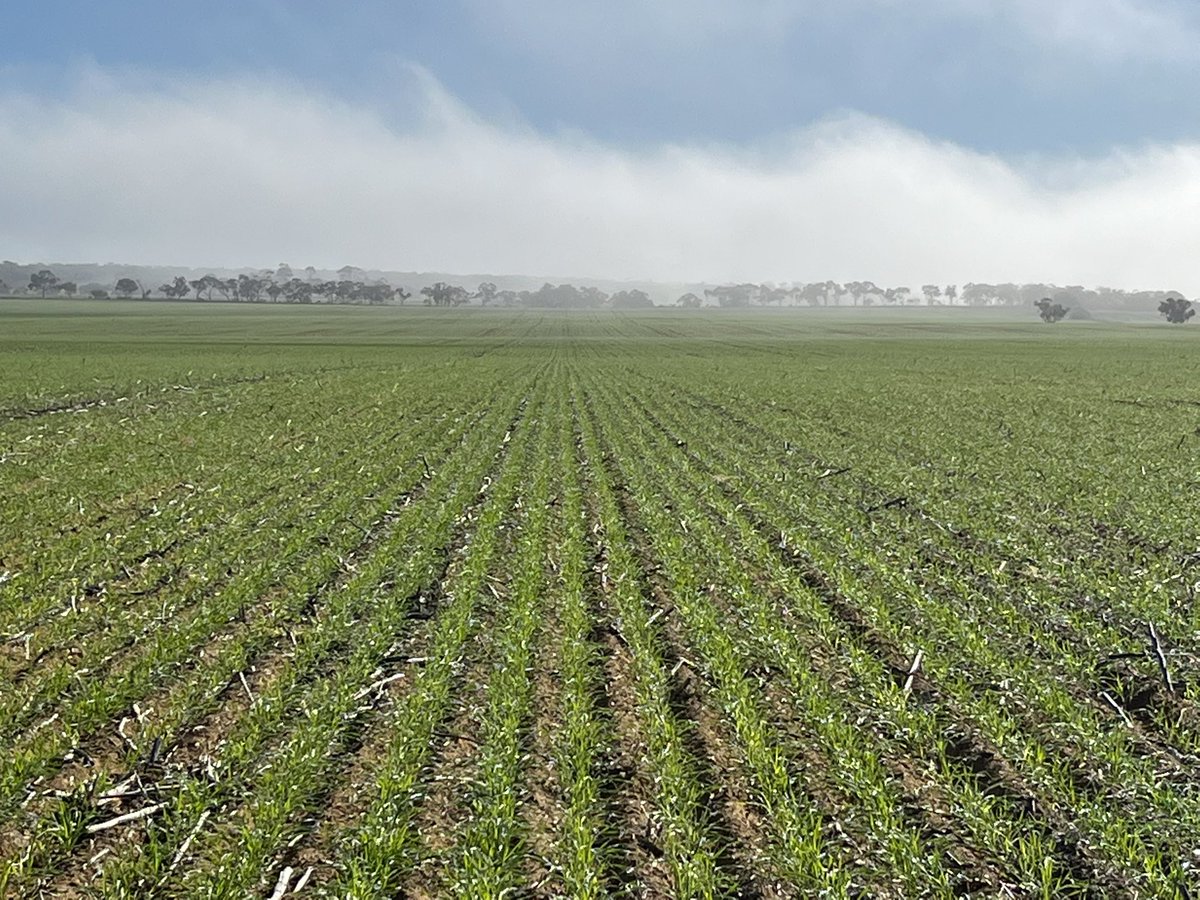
(734, 817)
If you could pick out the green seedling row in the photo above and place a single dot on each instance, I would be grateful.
(564, 603)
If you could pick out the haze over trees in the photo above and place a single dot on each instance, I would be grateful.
(486, 292)
(355, 285)
(442, 294)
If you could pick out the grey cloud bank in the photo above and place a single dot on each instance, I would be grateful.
(240, 172)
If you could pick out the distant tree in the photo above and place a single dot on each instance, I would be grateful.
(310, 273)
(99, 294)
(177, 289)
(284, 272)
(1050, 311)
(69, 288)
(211, 282)
(273, 291)
(816, 293)
(979, 294)
(732, 295)
(205, 284)
(228, 288)
(556, 296)
(298, 291)
(125, 287)
(774, 295)
(592, 297)
(486, 292)
(1009, 294)
(715, 294)
(345, 290)
(375, 294)
(1176, 310)
(865, 292)
(690, 301)
(951, 293)
(872, 293)
(350, 273)
(931, 292)
(42, 281)
(5, 290)
(442, 294)
(401, 294)
(250, 287)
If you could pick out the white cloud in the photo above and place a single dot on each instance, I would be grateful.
(252, 173)
(1108, 30)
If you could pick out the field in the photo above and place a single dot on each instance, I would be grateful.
(406, 602)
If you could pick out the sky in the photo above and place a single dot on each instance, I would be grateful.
(900, 141)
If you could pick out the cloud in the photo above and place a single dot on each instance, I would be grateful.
(1011, 75)
(1116, 28)
(1109, 29)
(252, 172)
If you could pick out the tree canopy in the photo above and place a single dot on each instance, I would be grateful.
(1176, 310)
(1050, 311)
(42, 281)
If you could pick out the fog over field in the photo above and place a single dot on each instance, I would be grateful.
(246, 166)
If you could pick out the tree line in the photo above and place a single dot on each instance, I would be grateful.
(247, 288)
(282, 285)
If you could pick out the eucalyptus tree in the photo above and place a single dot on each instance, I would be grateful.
(1050, 311)
(42, 281)
(1176, 310)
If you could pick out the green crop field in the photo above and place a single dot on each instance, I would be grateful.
(408, 602)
